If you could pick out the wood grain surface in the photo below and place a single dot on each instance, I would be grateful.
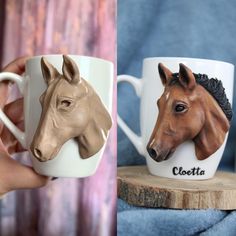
(138, 187)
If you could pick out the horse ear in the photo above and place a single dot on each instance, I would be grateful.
(165, 74)
(186, 77)
(49, 71)
(70, 70)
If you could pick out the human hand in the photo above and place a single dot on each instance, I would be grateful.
(14, 175)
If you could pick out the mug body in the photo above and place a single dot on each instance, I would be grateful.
(183, 164)
(67, 163)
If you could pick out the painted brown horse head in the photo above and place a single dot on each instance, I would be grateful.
(187, 111)
(70, 109)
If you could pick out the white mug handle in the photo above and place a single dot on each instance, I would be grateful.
(134, 138)
(20, 136)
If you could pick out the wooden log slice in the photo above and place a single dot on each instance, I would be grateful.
(138, 187)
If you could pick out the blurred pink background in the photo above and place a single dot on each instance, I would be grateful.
(66, 206)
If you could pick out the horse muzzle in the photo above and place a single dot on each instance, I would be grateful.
(159, 154)
(43, 152)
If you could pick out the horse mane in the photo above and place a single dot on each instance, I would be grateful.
(215, 88)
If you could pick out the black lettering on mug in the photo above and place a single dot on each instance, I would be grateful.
(193, 171)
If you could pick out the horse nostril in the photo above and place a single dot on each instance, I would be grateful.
(152, 152)
(37, 153)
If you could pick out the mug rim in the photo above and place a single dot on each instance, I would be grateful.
(189, 59)
(37, 57)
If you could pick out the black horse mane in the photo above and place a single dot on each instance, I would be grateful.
(215, 88)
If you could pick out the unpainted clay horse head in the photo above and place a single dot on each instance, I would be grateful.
(189, 109)
(70, 109)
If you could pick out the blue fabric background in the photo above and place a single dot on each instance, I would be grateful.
(183, 28)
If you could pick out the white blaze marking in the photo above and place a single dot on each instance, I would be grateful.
(167, 96)
(152, 142)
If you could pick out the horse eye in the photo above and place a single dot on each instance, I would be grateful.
(179, 108)
(65, 103)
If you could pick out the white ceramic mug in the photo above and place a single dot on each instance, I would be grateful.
(149, 88)
(67, 163)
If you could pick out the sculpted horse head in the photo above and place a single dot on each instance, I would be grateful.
(192, 107)
(70, 109)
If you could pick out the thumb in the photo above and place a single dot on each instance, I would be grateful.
(18, 176)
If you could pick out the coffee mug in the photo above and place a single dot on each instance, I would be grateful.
(68, 162)
(184, 163)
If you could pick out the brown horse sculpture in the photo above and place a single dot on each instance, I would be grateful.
(192, 107)
(70, 109)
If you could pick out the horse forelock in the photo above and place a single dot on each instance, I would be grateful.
(214, 87)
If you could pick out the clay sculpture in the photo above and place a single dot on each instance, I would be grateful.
(192, 107)
(70, 109)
